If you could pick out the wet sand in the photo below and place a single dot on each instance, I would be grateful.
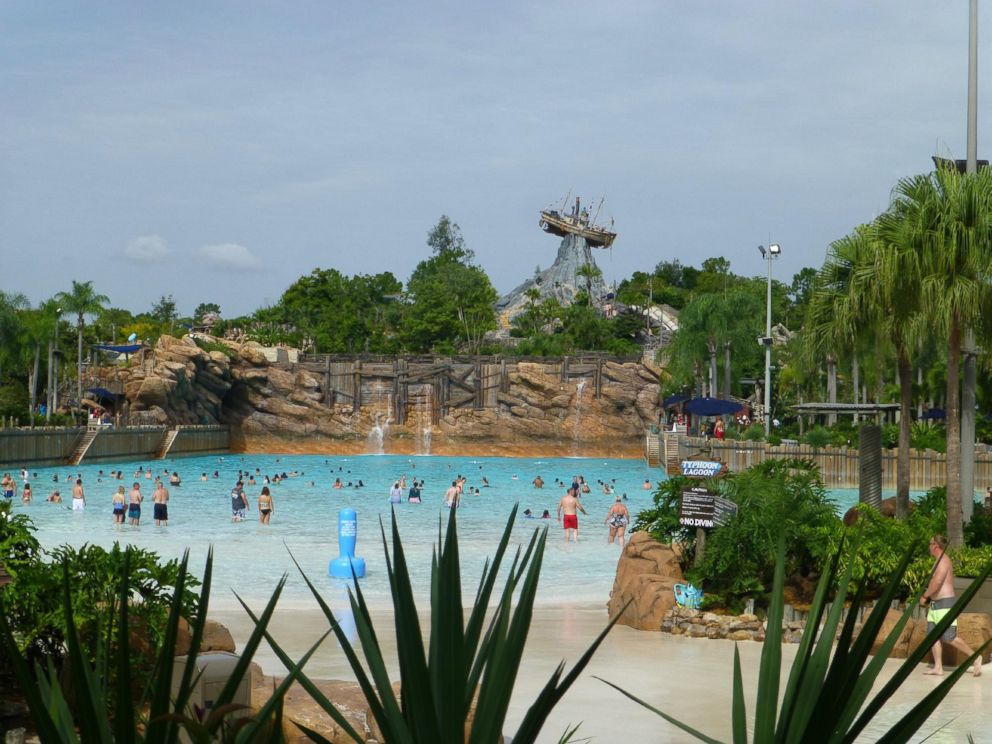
(687, 678)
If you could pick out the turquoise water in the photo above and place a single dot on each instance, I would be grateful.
(249, 557)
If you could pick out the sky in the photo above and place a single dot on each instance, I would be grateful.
(217, 151)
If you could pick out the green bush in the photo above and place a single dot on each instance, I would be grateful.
(928, 435)
(817, 437)
(978, 531)
(34, 604)
(209, 346)
(739, 558)
(754, 433)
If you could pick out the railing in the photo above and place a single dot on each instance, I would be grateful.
(838, 465)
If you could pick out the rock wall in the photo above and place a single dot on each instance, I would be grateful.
(644, 588)
(278, 407)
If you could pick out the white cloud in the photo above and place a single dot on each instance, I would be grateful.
(230, 256)
(147, 249)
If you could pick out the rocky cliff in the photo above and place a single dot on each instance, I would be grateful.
(279, 407)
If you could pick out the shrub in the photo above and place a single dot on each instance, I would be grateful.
(817, 437)
(928, 435)
(740, 556)
(209, 346)
(34, 604)
(754, 433)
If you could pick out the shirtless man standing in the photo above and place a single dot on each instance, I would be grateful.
(570, 505)
(160, 510)
(939, 595)
(78, 498)
(134, 504)
(453, 496)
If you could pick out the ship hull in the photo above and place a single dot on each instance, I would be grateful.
(563, 226)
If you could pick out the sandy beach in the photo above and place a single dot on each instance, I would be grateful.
(688, 678)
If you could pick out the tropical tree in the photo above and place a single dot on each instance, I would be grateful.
(203, 308)
(82, 300)
(731, 320)
(11, 305)
(590, 272)
(452, 299)
(947, 235)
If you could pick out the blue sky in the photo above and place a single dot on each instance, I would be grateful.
(218, 151)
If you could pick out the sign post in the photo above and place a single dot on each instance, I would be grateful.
(700, 507)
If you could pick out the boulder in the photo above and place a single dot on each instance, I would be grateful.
(974, 628)
(216, 638)
(299, 707)
(644, 585)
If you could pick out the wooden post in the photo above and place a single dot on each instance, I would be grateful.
(328, 394)
(356, 402)
(599, 376)
(478, 384)
(700, 546)
(564, 369)
(503, 382)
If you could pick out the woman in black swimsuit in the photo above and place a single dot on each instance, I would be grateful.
(265, 505)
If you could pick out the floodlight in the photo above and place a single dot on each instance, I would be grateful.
(774, 249)
(762, 249)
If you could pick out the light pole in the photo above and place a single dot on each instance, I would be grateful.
(53, 369)
(768, 254)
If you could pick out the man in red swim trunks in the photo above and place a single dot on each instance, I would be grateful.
(570, 505)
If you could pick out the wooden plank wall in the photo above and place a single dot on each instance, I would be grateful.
(398, 385)
(839, 465)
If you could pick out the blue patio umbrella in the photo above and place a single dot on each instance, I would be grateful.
(674, 400)
(935, 413)
(712, 407)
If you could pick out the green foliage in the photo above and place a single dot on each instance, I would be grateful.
(826, 696)
(208, 346)
(754, 433)
(203, 308)
(335, 313)
(164, 311)
(925, 435)
(14, 400)
(453, 300)
(817, 437)
(96, 699)
(35, 605)
(473, 658)
(739, 558)
(978, 531)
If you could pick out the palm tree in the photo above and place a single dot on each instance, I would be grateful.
(82, 301)
(589, 272)
(862, 304)
(948, 242)
(11, 305)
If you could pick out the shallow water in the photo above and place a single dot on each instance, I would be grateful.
(249, 558)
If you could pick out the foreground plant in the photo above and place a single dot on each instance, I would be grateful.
(104, 707)
(463, 661)
(826, 696)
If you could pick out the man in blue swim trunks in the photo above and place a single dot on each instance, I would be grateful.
(134, 504)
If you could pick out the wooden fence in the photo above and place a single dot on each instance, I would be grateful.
(405, 385)
(839, 465)
(54, 445)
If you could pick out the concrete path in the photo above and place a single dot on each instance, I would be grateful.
(687, 678)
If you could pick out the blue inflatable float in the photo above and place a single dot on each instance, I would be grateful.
(341, 567)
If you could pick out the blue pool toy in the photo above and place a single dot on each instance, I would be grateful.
(341, 567)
